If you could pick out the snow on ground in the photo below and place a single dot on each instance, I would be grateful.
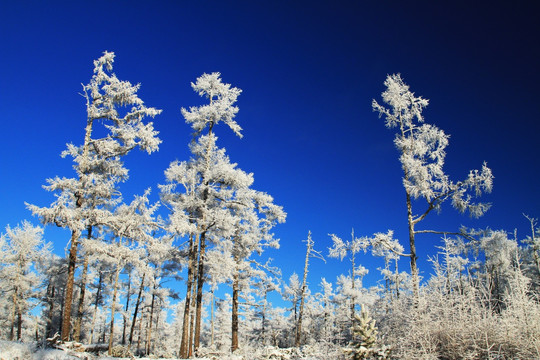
(11, 350)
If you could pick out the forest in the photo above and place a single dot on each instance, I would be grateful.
(112, 294)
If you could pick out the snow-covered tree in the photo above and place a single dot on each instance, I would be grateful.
(84, 201)
(198, 190)
(255, 214)
(310, 252)
(22, 249)
(364, 344)
(422, 153)
(384, 245)
(340, 249)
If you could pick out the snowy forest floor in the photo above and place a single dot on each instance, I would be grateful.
(11, 350)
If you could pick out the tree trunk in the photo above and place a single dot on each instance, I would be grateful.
(212, 319)
(137, 304)
(414, 269)
(98, 294)
(191, 273)
(302, 294)
(192, 320)
(19, 321)
(140, 333)
(75, 234)
(126, 308)
(50, 300)
(68, 299)
(234, 344)
(113, 308)
(80, 309)
(200, 284)
(13, 314)
(149, 327)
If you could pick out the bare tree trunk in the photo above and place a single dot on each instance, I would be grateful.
(414, 269)
(128, 296)
(200, 284)
(13, 313)
(68, 299)
(137, 304)
(236, 290)
(191, 273)
(75, 235)
(149, 327)
(140, 333)
(263, 324)
(19, 321)
(98, 294)
(80, 309)
(192, 321)
(302, 293)
(50, 300)
(212, 305)
(113, 308)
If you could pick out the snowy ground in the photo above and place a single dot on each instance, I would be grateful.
(10, 350)
(17, 351)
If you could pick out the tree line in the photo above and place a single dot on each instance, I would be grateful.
(111, 288)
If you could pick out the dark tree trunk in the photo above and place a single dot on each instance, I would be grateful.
(234, 344)
(191, 274)
(80, 309)
(137, 304)
(126, 308)
(200, 284)
(50, 300)
(149, 327)
(68, 299)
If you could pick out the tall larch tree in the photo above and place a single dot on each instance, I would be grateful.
(86, 200)
(256, 215)
(422, 153)
(199, 210)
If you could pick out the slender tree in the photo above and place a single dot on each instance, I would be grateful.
(21, 250)
(422, 152)
(310, 252)
(200, 210)
(340, 249)
(85, 201)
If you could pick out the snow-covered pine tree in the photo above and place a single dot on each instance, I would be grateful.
(84, 201)
(21, 250)
(422, 153)
(364, 344)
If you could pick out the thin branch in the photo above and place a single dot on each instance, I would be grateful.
(465, 235)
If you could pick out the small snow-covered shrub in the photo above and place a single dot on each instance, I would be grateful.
(10, 350)
(121, 352)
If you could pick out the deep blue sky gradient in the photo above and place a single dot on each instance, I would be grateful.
(308, 71)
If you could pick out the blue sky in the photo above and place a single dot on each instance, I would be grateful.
(308, 71)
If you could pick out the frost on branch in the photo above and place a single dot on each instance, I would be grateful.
(111, 99)
(221, 107)
(422, 154)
